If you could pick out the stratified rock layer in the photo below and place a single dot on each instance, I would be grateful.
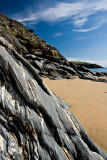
(35, 124)
(45, 58)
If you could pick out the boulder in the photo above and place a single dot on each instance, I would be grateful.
(69, 69)
(87, 75)
(84, 69)
(99, 74)
(38, 65)
(30, 56)
(104, 73)
(50, 66)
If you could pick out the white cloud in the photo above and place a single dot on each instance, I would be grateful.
(80, 22)
(86, 30)
(82, 38)
(103, 63)
(78, 13)
(96, 26)
(58, 34)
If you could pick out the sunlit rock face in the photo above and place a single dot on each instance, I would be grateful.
(23, 39)
(35, 124)
(45, 58)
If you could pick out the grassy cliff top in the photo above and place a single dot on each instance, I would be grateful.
(87, 65)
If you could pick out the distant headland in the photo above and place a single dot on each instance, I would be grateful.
(87, 65)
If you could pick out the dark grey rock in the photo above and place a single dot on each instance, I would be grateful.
(30, 56)
(86, 75)
(61, 72)
(38, 65)
(50, 66)
(34, 123)
(69, 70)
(99, 74)
(104, 73)
(84, 69)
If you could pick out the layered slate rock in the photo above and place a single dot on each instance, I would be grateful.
(35, 124)
(46, 59)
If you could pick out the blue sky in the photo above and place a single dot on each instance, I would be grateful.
(77, 28)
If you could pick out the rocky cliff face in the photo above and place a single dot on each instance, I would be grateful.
(24, 40)
(35, 124)
(45, 58)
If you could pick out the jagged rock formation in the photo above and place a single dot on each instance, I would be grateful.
(35, 124)
(45, 58)
(23, 39)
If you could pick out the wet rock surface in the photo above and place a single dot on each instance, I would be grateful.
(35, 124)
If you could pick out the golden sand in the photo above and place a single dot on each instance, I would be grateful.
(88, 101)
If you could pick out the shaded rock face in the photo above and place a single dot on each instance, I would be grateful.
(35, 124)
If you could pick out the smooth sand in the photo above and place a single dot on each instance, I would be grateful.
(88, 101)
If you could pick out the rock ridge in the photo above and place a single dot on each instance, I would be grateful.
(35, 124)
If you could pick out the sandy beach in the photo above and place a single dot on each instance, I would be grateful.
(88, 101)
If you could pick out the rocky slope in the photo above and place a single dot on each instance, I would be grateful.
(35, 124)
(23, 39)
(44, 57)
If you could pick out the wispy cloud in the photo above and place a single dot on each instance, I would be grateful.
(78, 13)
(58, 34)
(80, 22)
(97, 25)
(86, 30)
(82, 38)
(103, 63)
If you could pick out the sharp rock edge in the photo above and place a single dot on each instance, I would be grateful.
(34, 123)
